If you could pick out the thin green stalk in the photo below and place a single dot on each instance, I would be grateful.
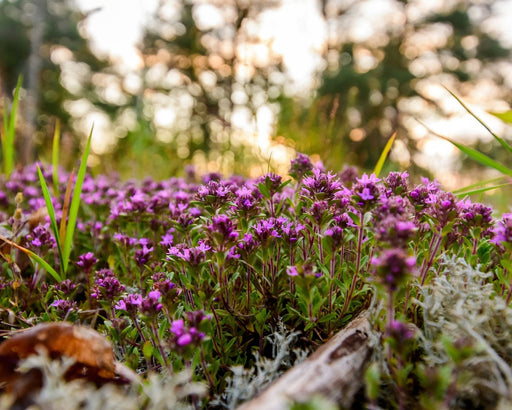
(55, 159)
(9, 130)
(350, 292)
(502, 142)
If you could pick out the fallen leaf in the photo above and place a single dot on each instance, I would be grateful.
(92, 353)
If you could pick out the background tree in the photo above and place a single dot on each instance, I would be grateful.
(205, 76)
(41, 40)
(380, 72)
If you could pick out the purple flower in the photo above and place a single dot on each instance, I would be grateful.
(194, 255)
(266, 229)
(392, 267)
(167, 239)
(142, 255)
(66, 286)
(292, 271)
(125, 240)
(348, 175)
(64, 306)
(214, 193)
(396, 183)
(336, 234)
(365, 191)
(475, 215)
(162, 284)
(320, 185)
(442, 207)
(503, 231)
(400, 333)
(130, 303)
(318, 211)
(292, 231)
(300, 166)
(86, 261)
(151, 305)
(223, 228)
(41, 237)
(106, 285)
(188, 334)
(271, 181)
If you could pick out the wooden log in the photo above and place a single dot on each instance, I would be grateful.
(335, 371)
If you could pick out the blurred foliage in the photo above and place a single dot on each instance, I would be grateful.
(363, 93)
(195, 71)
(60, 42)
(206, 81)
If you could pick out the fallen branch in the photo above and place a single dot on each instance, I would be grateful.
(335, 371)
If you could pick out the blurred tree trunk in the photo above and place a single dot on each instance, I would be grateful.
(35, 65)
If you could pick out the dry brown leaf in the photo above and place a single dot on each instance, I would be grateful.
(91, 351)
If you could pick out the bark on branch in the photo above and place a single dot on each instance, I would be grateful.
(335, 371)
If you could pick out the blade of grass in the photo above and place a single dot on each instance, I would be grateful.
(473, 153)
(75, 201)
(479, 184)
(384, 155)
(481, 190)
(51, 214)
(502, 142)
(65, 208)
(506, 116)
(10, 130)
(55, 158)
(35, 257)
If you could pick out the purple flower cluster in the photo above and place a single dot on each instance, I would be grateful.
(503, 231)
(149, 254)
(186, 332)
(106, 285)
(393, 267)
(41, 237)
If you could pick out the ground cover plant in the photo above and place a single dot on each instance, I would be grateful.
(199, 278)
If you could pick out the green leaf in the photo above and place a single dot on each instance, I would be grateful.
(55, 158)
(503, 116)
(480, 190)
(474, 154)
(479, 184)
(147, 350)
(9, 130)
(35, 257)
(384, 155)
(51, 214)
(75, 202)
(502, 142)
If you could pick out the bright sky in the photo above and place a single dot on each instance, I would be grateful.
(116, 29)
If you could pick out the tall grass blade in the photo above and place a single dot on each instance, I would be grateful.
(479, 184)
(384, 155)
(55, 159)
(481, 190)
(9, 130)
(35, 257)
(75, 201)
(65, 208)
(502, 142)
(473, 153)
(506, 116)
(51, 214)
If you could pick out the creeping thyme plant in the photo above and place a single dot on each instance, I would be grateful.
(197, 274)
